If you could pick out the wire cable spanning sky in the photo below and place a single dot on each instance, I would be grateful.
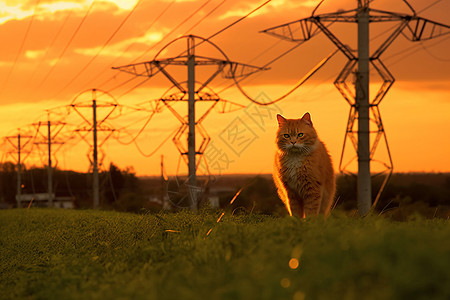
(52, 68)
(22, 44)
(101, 48)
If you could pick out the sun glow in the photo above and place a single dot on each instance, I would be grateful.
(59, 6)
(269, 8)
(34, 54)
(123, 4)
(118, 49)
(8, 13)
(42, 11)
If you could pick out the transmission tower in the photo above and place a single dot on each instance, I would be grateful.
(48, 138)
(191, 91)
(19, 142)
(94, 124)
(362, 109)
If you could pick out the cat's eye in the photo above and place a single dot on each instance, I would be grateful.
(300, 134)
(286, 135)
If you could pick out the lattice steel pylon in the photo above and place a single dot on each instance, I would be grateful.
(49, 139)
(191, 91)
(19, 143)
(95, 124)
(362, 109)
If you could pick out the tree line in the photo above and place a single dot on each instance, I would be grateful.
(115, 185)
(406, 194)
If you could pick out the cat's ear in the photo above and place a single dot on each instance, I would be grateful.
(281, 120)
(307, 118)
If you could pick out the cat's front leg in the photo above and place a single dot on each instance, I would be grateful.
(312, 200)
(295, 203)
(312, 203)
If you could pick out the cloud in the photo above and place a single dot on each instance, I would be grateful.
(34, 54)
(43, 11)
(118, 49)
(275, 6)
(123, 4)
(179, 1)
(8, 13)
(51, 8)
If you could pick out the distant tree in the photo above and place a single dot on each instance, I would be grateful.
(8, 182)
(114, 183)
(122, 190)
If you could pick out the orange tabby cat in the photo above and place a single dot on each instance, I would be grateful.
(303, 173)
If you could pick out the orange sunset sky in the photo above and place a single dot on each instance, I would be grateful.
(54, 50)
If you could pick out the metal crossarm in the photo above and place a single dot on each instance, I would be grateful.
(420, 29)
(297, 31)
(151, 68)
(147, 69)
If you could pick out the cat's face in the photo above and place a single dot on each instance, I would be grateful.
(295, 135)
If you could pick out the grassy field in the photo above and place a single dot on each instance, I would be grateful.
(70, 254)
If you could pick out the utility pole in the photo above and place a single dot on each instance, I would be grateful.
(191, 121)
(362, 104)
(19, 142)
(49, 168)
(94, 124)
(363, 110)
(19, 173)
(48, 138)
(95, 155)
(195, 93)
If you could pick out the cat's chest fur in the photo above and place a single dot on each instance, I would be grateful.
(292, 166)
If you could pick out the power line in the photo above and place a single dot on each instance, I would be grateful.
(426, 49)
(429, 6)
(265, 65)
(412, 49)
(392, 27)
(173, 30)
(67, 45)
(22, 44)
(157, 148)
(239, 20)
(205, 16)
(236, 82)
(297, 85)
(131, 45)
(148, 119)
(134, 87)
(52, 43)
(102, 48)
(274, 59)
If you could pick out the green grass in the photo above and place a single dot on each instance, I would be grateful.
(69, 254)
